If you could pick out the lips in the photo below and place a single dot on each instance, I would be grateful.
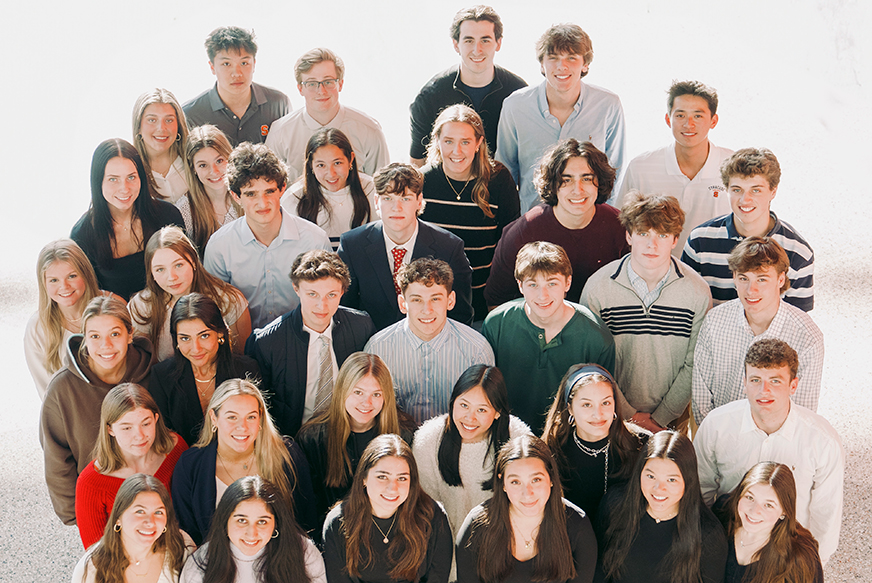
(390, 499)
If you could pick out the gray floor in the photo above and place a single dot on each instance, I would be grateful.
(793, 76)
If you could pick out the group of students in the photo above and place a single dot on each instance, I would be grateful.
(197, 304)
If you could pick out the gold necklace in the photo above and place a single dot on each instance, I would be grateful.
(454, 189)
(383, 533)
(527, 543)
(244, 466)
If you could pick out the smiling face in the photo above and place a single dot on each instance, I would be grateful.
(769, 391)
(477, 46)
(121, 184)
(172, 272)
(563, 73)
(260, 199)
(197, 342)
(364, 403)
(234, 71)
(387, 484)
(427, 308)
(759, 291)
(321, 101)
(331, 167)
(458, 145)
(577, 193)
(593, 408)
(238, 423)
(107, 341)
(134, 432)
(143, 522)
(159, 128)
(750, 198)
(63, 284)
(543, 295)
(319, 301)
(528, 486)
(690, 120)
(210, 167)
(399, 213)
(473, 415)
(663, 486)
(251, 526)
(651, 251)
(759, 509)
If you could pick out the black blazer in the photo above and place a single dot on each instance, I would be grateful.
(281, 351)
(177, 397)
(372, 286)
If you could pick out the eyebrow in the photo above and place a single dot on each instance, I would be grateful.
(386, 473)
(533, 475)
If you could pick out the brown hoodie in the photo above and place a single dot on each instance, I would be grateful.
(70, 419)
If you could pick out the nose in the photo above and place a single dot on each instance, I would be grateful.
(237, 71)
(216, 170)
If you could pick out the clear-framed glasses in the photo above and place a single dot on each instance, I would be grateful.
(329, 84)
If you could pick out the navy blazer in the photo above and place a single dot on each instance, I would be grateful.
(372, 285)
(281, 350)
(195, 493)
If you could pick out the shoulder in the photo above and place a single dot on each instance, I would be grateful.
(333, 521)
(509, 79)
(726, 416)
(575, 516)
(725, 312)
(197, 102)
(429, 435)
(810, 421)
(690, 277)
(352, 317)
(439, 82)
(438, 234)
(362, 232)
(278, 327)
(606, 213)
(526, 97)
(395, 330)
(645, 158)
(361, 118)
(166, 213)
(605, 275)
(271, 94)
(584, 317)
(509, 312)
(601, 93)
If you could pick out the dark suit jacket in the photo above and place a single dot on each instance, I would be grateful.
(372, 287)
(177, 399)
(281, 351)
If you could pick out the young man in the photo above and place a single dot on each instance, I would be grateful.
(477, 33)
(243, 110)
(253, 252)
(374, 252)
(767, 426)
(759, 267)
(538, 337)
(751, 176)
(300, 353)
(688, 168)
(560, 107)
(426, 352)
(654, 306)
(320, 74)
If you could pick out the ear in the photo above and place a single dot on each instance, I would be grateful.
(300, 88)
(781, 278)
(456, 46)
(340, 84)
(714, 121)
(629, 239)
(520, 286)
(499, 45)
(497, 416)
(793, 384)
(351, 160)
(452, 299)
(212, 67)
(668, 120)
(402, 302)
(568, 283)
(674, 241)
(109, 430)
(213, 418)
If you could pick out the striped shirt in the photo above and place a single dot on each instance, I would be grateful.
(424, 373)
(709, 245)
(719, 358)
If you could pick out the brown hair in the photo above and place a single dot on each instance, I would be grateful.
(396, 177)
(643, 212)
(541, 257)
(426, 271)
(249, 162)
(695, 88)
(319, 264)
(749, 162)
(103, 306)
(549, 174)
(770, 353)
(567, 39)
(755, 254)
(476, 13)
(311, 58)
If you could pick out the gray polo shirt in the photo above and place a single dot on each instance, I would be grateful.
(267, 105)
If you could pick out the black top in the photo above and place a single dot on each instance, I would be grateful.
(584, 476)
(581, 540)
(734, 572)
(434, 569)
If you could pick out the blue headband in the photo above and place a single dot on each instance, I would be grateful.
(584, 372)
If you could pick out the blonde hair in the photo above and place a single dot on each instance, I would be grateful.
(50, 317)
(103, 306)
(157, 95)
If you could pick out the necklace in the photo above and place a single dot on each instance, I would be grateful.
(465, 184)
(383, 533)
(659, 520)
(594, 453)
(244, 466)
(527, 543)
(752, 543)
(136, 564)
(209, 380)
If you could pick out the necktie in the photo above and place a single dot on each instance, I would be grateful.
(398, 253)
(324, 386)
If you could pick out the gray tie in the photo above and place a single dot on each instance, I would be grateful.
(324, 386)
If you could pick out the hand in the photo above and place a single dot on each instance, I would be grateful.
(644, 421)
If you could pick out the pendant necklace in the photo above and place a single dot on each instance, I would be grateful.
(383, 533)
(594, 453)
(454, 189)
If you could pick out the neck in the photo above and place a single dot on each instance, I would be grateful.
(562, 99)
(691, 160)
(161, 161)
(72, 313)
(217, 196)
(235, 102)
(553, 321)
(749, 541)
(361, 428)
(121, 217)
(231, 456)
(401, 237)
(110, 376)
(266, 234)
(757, 228)
(769, 424)
(204, 372)
(667, 514)
(573, 222)
(316, 327)
(324, 117)
(471, 79)
(138, 464)
(651, 277)
(526, 523)
(137, 552)
(759, 323)
(464, 176)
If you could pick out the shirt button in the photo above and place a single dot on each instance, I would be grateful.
(540, 336)
(269, 292)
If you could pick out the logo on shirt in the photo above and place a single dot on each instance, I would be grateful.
(717, 190)
(264, 130)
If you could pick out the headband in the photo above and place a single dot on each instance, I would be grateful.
(584, 372)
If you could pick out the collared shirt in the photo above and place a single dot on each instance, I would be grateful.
(313, 366)
(710, 243)
(424, 373)
(702, 199)
(173, 186)
(728, 443)
(260, 272)
(527, 128)
(641, 286)
(723, 342)
(289, 136)
(267, 105)
(409, 246)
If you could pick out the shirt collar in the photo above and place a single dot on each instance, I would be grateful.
(328, 332)
(732, 233)
(288, 231)
(409, 245)
(314, 126)
(433, 344)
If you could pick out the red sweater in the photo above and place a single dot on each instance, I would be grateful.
(95, 494)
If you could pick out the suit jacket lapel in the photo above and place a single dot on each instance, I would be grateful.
(378, 258)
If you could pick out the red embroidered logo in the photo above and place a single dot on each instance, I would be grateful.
(264, 130)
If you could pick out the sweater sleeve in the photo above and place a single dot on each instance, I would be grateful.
(93, 505)
(425, 446)
(501, 285)
(713, 560)
(465, 553)
(441, 548)
(304, 495)
(183, 485)
(334, 548)
(583, 543)
(60, 466)
(314, 563)
(702, 395)
(34, 355)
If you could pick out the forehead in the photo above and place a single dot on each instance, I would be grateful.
(329, 152)
(690, 103)
(475, 395)
(527, 466)
(767, 271)
(190, 326)
(240, 404)
(324, 284)
(763, 492)
(778, 371)
(391, 465)
(544, 276)
(416, 288)
(233, 55)
(208, 153)
(148, 499)
(259, 185)
(58, 268)
(117, 166)
(663, 466)
(103, 322)
(159, 109)
(749, 181)
(408, 192)
(476, 29)
(562, 55)
(576, 166)
(321, 70)
(252, 507)
(593, 392)
(165, 256)
(134, 415)
(456, 130)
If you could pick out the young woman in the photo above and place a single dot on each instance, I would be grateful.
(594, 450)
(526, 531)
(767, 544)
(183, 385)
(657, 529)
(122, 217)
(132, 440)
(208, 204)
(105, 355)
(332, 193)
(160, 132)
(174, 270)
(141, 541)
(467, 192)
(387, 528)
(254, 539)
(363, 406)
(66, 284)
(456, 451)
(238, 439)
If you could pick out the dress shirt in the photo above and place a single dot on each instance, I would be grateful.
(173, 186)
(527, 128)
(728, 443)
(260, 271)
(313, 366)
(723, 342)
(424, 373)
(409, 246)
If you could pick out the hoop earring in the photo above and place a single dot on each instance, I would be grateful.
(117, 527)
(571, 420)
(615, 416)
(220, 341)
(164, 530)
(214, 429)
(178, 137)
(275, 533)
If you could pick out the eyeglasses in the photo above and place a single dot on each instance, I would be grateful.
(328, 84)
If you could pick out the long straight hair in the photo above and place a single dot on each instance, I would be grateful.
(682, 562)
(491, 381)
(283, 558)
(51, 320)
(483, 166)
(791, 554)
(335, 417)
(312, 199)
(158, 95)
(492, 531)
(196, 306)
(407, 550)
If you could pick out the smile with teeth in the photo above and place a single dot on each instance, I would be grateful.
(469, 428)
(747, 209)
(659, 498)
(250, 543)
(390, 498)
(146, 533)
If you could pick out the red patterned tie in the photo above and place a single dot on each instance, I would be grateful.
(398, 253)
